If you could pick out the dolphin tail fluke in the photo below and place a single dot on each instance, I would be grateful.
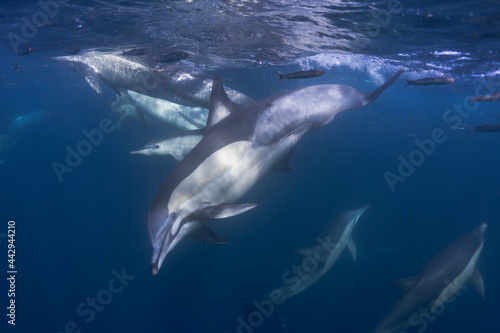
(374, 94)
(477, 281)
(280, 76)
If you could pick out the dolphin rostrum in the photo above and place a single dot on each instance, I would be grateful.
(436, 283)
(178, 83)
(324, 253)
(240, 143)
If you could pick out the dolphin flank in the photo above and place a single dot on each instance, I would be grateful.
(178, 83)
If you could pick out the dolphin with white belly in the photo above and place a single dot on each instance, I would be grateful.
(325, 252)
(176, 145)
(159, 111)
(436, 283)
(178, 83)
(241, 142)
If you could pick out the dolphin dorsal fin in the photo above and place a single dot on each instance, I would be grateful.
(404, 285)
(220, 104)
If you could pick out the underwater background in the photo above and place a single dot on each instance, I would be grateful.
(76, 235)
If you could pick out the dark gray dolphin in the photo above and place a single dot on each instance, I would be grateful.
(325, 252)
(178, 83)
(240, 143)
(436, 283)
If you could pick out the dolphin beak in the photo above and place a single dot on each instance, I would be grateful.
(362, 210)
(161, 246)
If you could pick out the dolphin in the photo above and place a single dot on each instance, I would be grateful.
(436, 283)
(18, 125)
(325, 252)
(240, 144)
(178, 83)
(176, 145)
(159, 111)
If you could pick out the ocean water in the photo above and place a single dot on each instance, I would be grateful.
(77, 234)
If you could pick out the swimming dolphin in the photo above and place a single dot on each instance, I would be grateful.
(18, 125)
(436, 283)
(160, 111)
(325, 252)
(241, 142)
(178, 83)
(176, 145)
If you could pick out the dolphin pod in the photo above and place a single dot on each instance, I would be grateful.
(241, 142)
(178, 83)
(436, 283)
(220, 163)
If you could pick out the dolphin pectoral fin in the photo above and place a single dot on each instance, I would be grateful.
(220, 211)
(352, 248)
(118, 92)
(404, 285)
(283, 165)
(206, 235)
(92, 79)
(227, 210)
(142, 118)
(477, 281)
(177, 156)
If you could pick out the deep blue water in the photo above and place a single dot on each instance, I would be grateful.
(74, 236)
